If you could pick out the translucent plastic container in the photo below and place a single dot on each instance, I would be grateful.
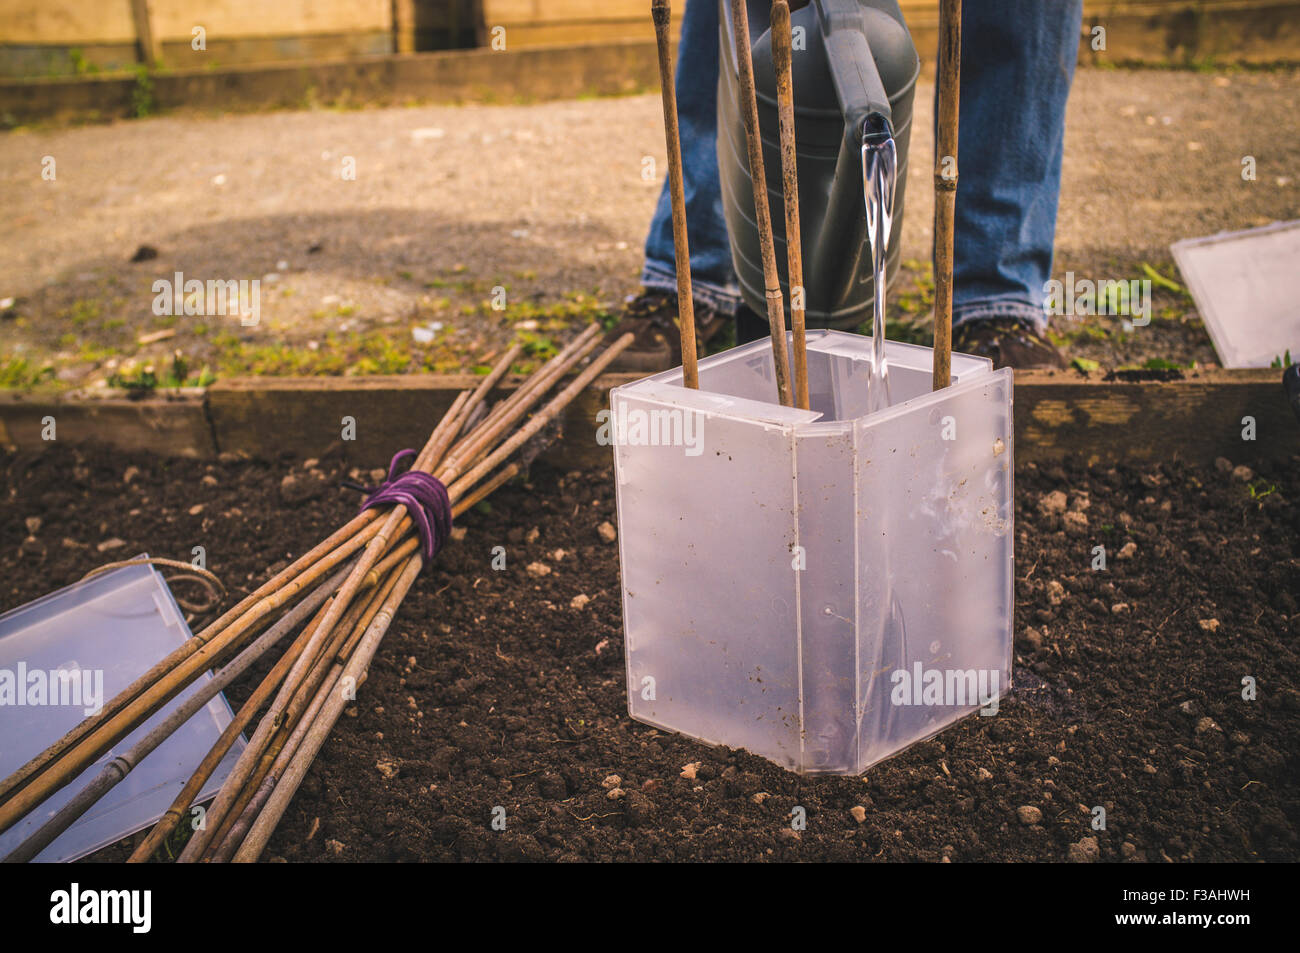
(104, 632)
(796, 583)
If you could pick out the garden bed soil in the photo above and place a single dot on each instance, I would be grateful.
(505, 689)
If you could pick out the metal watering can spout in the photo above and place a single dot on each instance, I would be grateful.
(855, 70)
(868, 139)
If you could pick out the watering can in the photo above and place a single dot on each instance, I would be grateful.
(854, 75)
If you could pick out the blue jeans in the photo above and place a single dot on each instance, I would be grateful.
(1017, 64)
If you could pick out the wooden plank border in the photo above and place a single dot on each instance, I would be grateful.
(174, 426)
(1207, 414)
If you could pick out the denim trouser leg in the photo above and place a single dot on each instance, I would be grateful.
(1018, 60)
(712, 279)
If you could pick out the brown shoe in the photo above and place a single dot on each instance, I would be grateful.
(652, 316)
(1008, 343)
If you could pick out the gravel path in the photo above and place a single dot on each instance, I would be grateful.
(548, 201)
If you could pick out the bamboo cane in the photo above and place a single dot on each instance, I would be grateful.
(281, 753)
(782, 41)
(945, 185)
(182, 802)
(540, 419)
(284, 708)
(762, 212)
(483, 490)
(662, 16)
(261, 829)
(513, 408)
(92, 746)
(355, 621)
(117, 769)
(24, 775)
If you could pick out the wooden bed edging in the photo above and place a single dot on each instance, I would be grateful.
(1208, 414)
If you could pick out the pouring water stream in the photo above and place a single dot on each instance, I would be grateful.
(879, 178)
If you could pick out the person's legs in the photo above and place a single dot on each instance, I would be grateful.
(713, 280)
(1018, 59)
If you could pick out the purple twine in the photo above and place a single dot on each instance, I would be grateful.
(424, 497)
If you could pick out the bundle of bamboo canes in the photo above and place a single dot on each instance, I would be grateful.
(343, 593)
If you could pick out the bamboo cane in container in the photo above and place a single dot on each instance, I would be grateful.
(762, 213)
(945, 185)
(681, 246)
(782, 42)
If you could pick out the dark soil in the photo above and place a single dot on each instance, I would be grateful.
(493, 690)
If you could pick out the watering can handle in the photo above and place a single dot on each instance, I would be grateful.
(857, 82)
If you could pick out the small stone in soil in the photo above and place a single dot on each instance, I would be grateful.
(298, 488)
(1029, 815)
(1210, 625)
(1207, 724)
(1052, 504)
(111, 544)
(607, 531)
(537, 570)
(1085, 851)
(1128, 550)
(689, 770)
(579, 601)
(1075, 522)
(859, 813)
(611, 781)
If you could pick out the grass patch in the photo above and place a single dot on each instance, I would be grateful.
(18, 373)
